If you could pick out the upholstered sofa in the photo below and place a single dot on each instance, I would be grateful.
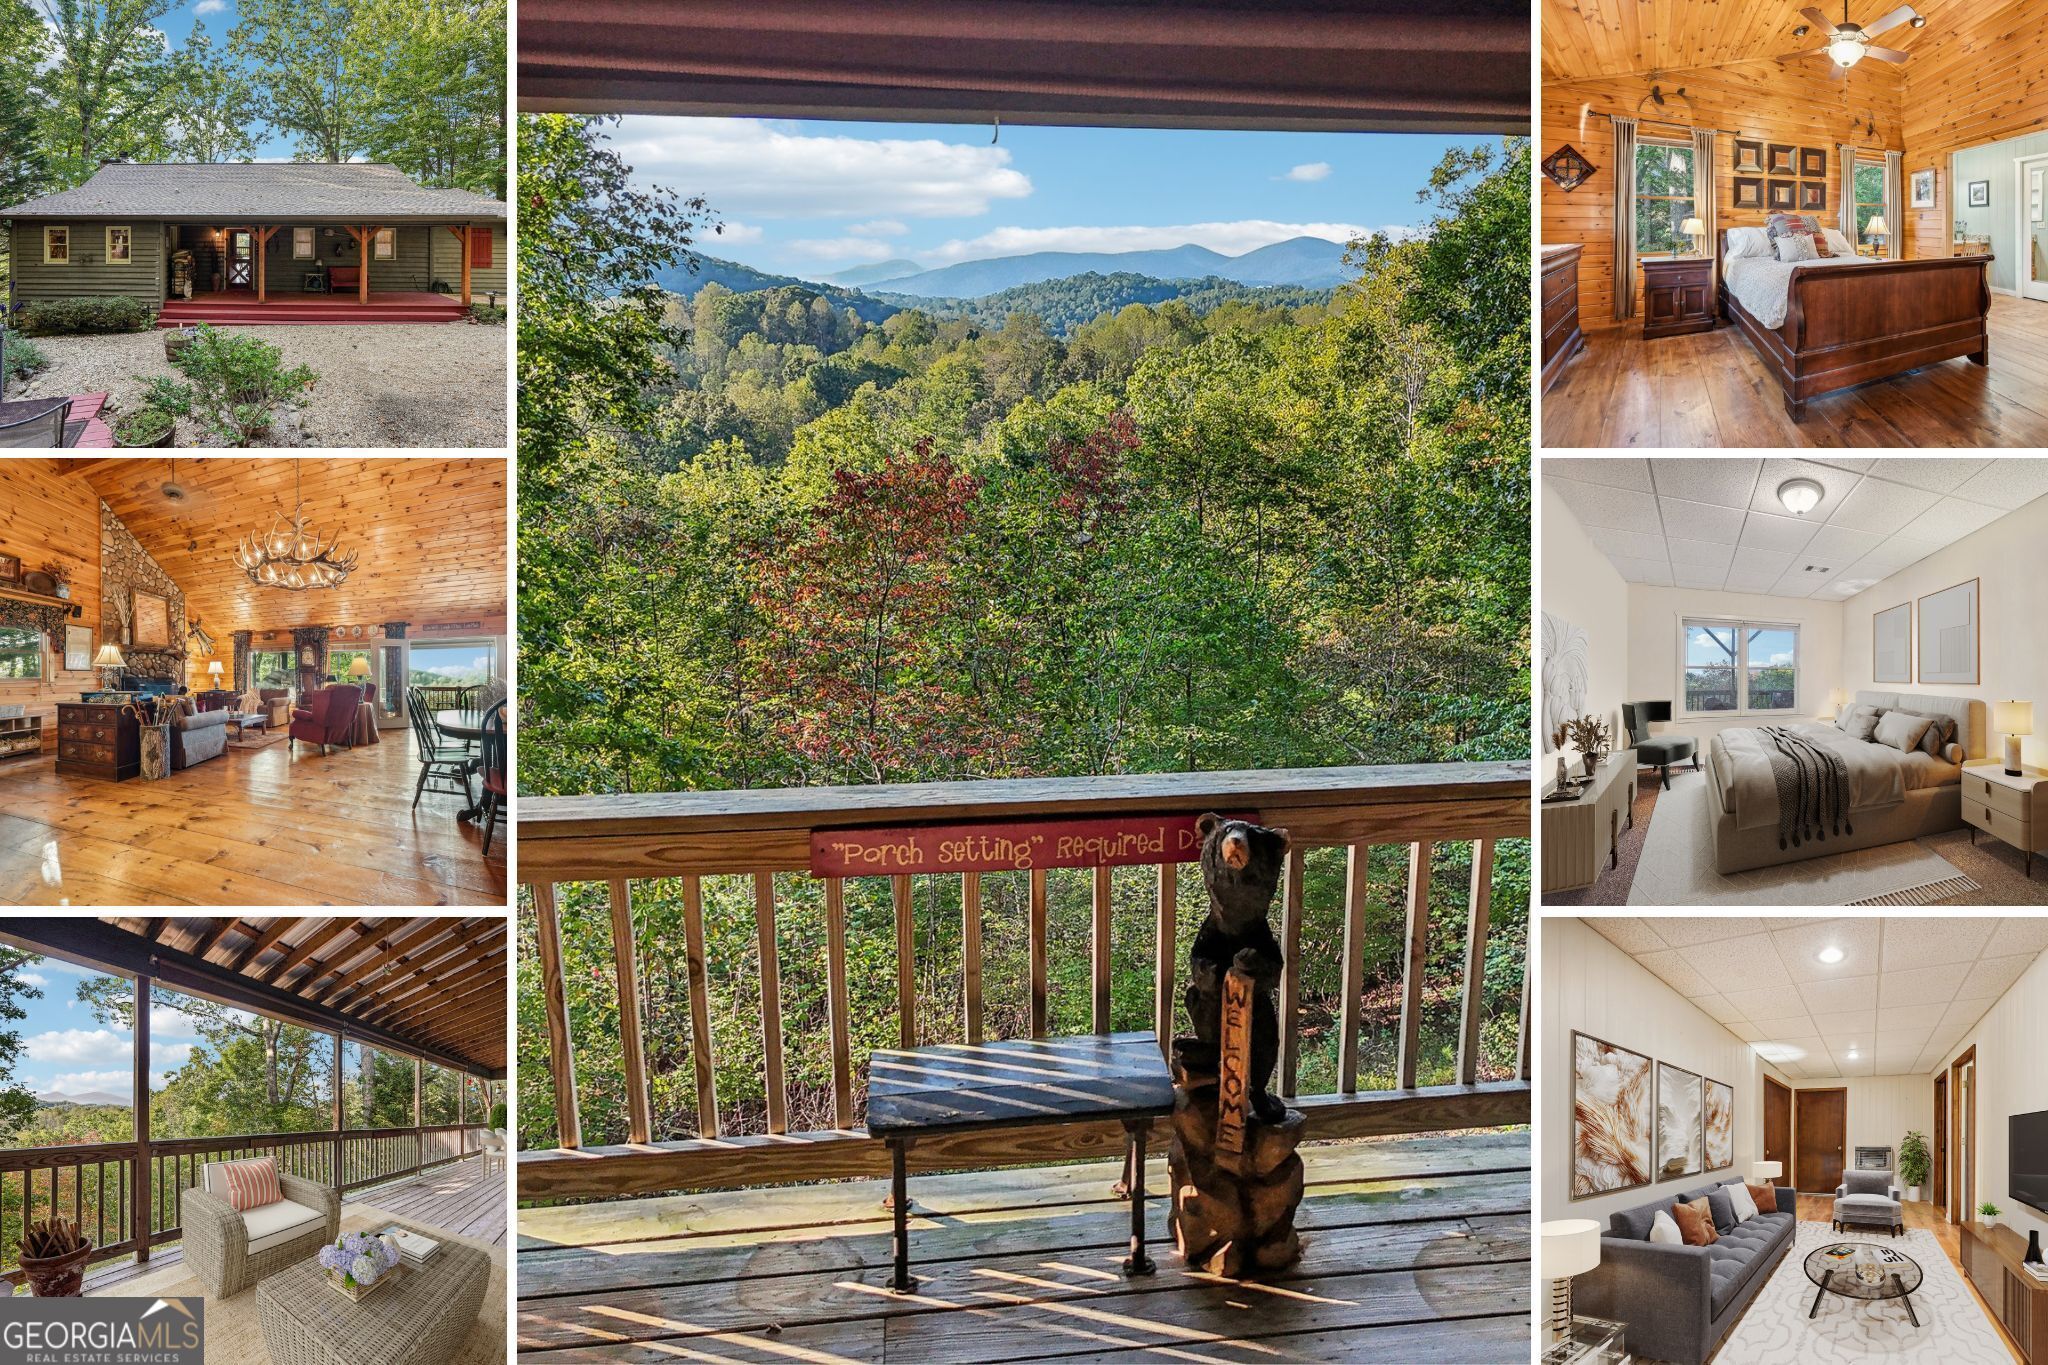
(230, 1249)
(196, 735)
(1680, 1301)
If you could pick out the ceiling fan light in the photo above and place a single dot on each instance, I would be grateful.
(1800, 496)
(1845, 51)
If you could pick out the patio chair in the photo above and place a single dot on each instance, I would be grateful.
(230, 1249)
(441, 760)
(36, 424)
(492, 1143)
(494, 763)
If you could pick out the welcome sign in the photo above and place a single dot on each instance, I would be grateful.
(1020, 846)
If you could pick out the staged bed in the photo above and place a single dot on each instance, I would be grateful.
(1781, 794)
(1827, 324)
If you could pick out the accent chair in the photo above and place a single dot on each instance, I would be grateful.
(328, 716)
(1657, 751)
(230, 1249)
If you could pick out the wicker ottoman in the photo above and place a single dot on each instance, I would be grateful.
(420, 1319)
(1870, 1211)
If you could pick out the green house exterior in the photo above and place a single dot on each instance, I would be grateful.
(261, 229)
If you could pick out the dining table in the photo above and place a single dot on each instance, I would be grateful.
(465, 723)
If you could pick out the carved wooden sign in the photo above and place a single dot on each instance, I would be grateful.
(1113, 841)
(1233, 1078)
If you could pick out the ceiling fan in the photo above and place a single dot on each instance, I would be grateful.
(1850, 43)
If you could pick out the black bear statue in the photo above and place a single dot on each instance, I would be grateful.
(1241, 866)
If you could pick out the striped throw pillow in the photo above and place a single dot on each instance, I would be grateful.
(251, 1184)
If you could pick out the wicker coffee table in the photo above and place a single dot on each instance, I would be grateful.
(420, 1318)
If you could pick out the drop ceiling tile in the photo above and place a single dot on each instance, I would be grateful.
(1698, 554)
(1781, 535)
(1795, 584)
(1860, 1065)
(1748, 1033)
(1723, 482)
(1675, 971)
(1912, 942)
(1950, 520)
(1934, 474)
(1838, 545)
(1886, 508)
(1921, 985)
(1737, 964)
(2008, 484)
(1762, 1004)
(1626, 473)
(1859, 939)
(1843, 993)
(1803, 1052)
(1717, 1008)
(2018, 934)
(1630, 544)
(1841, 1044)
(1682, 931)
(1709, 580)
(1895, 1063)
(1756, 570)
(1906, 1018)
(1785, 1026)
(1652, 573)
(1858, 1024)
(1599, 505)
(1994, 975)
(1702, 521)
(1630, 933)
(1897, 552)
(1836, 482)
(1960, 1017)
(1910, 1040)
(1854, 466)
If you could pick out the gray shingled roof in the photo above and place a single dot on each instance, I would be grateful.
(354, 192)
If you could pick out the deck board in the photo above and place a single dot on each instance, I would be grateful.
(1417, 1248)
(460, 1198)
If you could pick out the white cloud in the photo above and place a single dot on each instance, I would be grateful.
(36, 979)
(751, 168)
(210, 6)
(170, 1056)
(1231, 239)
(1308, 171)
(881, 227)
(79, 1045)
(735, 234)
(840, 249)
(165, 1022)
(109, 1082)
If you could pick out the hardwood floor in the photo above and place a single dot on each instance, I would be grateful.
(1709, 389)
(251, 827)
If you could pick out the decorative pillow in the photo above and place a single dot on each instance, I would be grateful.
(1745, 1207)
(1952, 753)
(1902, 730)
(1695, 1223)
(1862, 722)
(1781, 225)
(1940, 730)
(1838, 244)
(1794, 247)
(1747, 241)
(1663, 1230)
(250, 1184)
(1763, 1198)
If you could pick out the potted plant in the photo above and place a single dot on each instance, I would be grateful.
(1914, 1163)
(1988, 1211)
(498, 1116)
(357, 1262)
(53, 1257)
(1590, 735)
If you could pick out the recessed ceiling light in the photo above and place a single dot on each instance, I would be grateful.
(1800, 496)
(1830, 955)
(1852, 1054)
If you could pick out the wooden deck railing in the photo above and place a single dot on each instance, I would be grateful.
(616, 840)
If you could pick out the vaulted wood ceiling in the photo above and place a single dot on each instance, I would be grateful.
(1588, 38)
(431, 533)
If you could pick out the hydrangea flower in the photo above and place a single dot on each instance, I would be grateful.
(359, 1257)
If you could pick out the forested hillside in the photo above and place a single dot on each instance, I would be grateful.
(764, 543)
(1064, 304)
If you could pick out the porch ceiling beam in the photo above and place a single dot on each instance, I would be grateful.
(450, 1002)
(96, 941)
(308, 946)
(453, 969)
(420, 937)
(443, 1022)
(430, 959)
(279, 926)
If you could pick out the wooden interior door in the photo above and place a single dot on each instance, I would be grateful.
(1821, 1134)
(1941, 1144)
(1778, 1124)
(1962, 1095)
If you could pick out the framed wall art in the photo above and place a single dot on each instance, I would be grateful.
(1720, 1125)
(1813, 196)
(1923, 189)
(1749, 192)
(1749, 157)
(1780, 158)
(152, 617)
(1610, 1117)
(1891, 644)
(1813, 162)
(1979, 192)
(1782, 196)
(77, 648)
(1681, 1136)
(1949, 635)
(10, 568)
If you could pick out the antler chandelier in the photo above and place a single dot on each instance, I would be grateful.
(290, 555)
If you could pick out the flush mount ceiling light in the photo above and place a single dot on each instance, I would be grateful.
(1852, 1054)
(290, 555)
(1830, 955)
(1800, 496)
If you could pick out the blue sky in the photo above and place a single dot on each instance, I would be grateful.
(811, 198)
(67, 1051)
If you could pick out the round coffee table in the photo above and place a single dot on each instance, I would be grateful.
(1834, 1267)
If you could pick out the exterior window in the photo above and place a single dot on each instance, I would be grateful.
(1869, 200)
(120, 246)
(56, 246)
(1740, 668)
(302, 244)
(1663, 197)
(386, 247)
(338, 661)
(271, 667)
(21, 653)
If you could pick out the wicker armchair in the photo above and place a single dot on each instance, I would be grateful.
(217, 1240)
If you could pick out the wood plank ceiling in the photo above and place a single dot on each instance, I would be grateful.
(431, 534)
(437, 980)
(1588, 38)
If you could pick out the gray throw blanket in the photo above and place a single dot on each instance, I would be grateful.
(1813, 787)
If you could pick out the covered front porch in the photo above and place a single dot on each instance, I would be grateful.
(383, 264)
(244, 308)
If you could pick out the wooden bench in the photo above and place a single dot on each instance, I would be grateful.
(927, 1091)
(344, 277)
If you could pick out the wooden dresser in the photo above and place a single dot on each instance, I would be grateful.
(97, 739)
(1992, 1258)
(1582, 838)
(1562, 338)
(1678, 296)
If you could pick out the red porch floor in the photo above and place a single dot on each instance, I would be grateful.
(241, 309)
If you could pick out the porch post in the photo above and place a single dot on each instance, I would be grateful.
(419, 1139)
(339, 1042)
(466, 230)
(140, 1100)
(363, 275)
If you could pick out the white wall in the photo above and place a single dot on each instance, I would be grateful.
(1653, 670)
(1882, 1110)
(1581, 586)
(1592, 986)
(2010, 559)
(2011, 1079)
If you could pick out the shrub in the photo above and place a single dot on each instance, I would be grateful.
(483, 312)
(24, 357)
(498, 1114)
(75, 317)
(236, 385)
(145, 426)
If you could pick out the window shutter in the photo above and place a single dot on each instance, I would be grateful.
(480, 249)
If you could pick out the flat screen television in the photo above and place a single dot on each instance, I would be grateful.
(2026, 1152)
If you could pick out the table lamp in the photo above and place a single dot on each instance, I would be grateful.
(1876, 228)
(109, 662)
(1764, 1172)
(2016, 718)
(1568, 1247)
(359, 667)
(1696, 230)
(213, 672)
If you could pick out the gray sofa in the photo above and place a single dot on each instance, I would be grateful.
(1680, 1301)
(197, 735)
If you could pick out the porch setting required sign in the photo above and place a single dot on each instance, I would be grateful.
(1019, 846)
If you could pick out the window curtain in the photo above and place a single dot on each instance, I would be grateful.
(1704, 196)
(1848, 191)
(1624, 219)
(1894, 203)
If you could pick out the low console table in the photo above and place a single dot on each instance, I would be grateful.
(98, 739)
(1992, 1258)
(1582, 838)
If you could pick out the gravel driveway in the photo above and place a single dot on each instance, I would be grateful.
(390, 384)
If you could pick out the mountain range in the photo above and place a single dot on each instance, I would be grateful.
(744, 279)
(84, 1097)
(1306, 262)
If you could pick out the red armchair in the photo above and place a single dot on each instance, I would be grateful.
(328, 716)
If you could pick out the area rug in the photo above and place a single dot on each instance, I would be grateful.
(1776, 1331)
(234, 1326)
(256, 739)
(1677, 866)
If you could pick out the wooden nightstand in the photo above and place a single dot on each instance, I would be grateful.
(2014, 809)
(1678, 296)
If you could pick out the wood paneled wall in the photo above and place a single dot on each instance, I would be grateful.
(1767, 100)
(1983, 78)
(47, 515)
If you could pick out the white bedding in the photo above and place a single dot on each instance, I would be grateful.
(1763, 284)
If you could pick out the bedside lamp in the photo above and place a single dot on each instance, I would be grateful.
(1567, 1248)
(1876, 228)
(109, 661)
(1764, 1172)
(213, 672)
(2016, 718)
(1697, 231)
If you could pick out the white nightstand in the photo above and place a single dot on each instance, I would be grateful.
(2014, 809)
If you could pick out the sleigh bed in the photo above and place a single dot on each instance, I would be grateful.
(1892, 796)
(1849, 321)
